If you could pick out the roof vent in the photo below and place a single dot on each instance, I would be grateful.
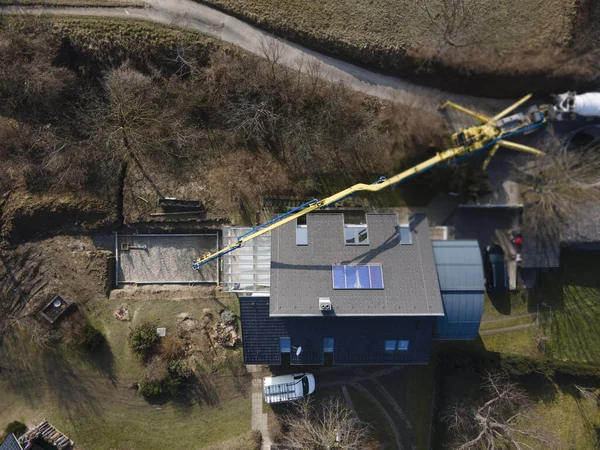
(324, 304)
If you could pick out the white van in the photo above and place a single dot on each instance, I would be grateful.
(287, 388)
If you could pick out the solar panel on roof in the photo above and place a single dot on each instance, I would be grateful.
(363, 277)
(357, 277)
(376, 277)
(339, 279)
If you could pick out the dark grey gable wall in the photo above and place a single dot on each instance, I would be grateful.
(358, 340)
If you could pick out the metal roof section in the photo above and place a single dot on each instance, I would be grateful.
(247, 269)
(301, 274)
(460, 272)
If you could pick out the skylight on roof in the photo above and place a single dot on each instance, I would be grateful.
(357, 277)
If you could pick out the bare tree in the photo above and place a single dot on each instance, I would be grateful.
(556, 186)
(467, 23)
(496, 423)
(328, 425)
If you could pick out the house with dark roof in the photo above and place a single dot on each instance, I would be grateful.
(377, 292)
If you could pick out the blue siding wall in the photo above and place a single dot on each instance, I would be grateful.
(460, 273)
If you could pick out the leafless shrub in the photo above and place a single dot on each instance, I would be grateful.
(329, 424)
(556, 185)
(171, 347)
(467, 23)
(156, 370)
(587, 393)
(245, 178)
(29, 83)
(496, 423)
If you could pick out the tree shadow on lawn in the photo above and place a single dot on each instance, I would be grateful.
(103, 360)
(197, 390)
(575, 324)
(501, 302)
(73, 391)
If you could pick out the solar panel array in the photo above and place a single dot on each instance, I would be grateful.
(357, 277)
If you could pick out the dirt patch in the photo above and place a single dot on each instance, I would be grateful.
(26, 216)
(33, 273)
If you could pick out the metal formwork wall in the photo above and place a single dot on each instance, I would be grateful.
(164, 258)
(248, 268)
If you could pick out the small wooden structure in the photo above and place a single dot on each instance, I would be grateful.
(56, 308)
(169, 203)
(47, 433)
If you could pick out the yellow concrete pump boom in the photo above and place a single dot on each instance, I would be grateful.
(469, 141)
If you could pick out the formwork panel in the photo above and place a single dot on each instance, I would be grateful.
(164, 258)
(248, 268)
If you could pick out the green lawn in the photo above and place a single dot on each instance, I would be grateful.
(573, 292)
(557, 410)
(89, 399)
(519, 342)
(574, 421)
(501, 306)
(570, 323)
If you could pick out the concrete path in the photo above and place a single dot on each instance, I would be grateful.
(509, 318)
(260, 420)
(197, 17)
(507, 329)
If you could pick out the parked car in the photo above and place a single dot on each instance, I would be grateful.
(287, 388)
(496, 277)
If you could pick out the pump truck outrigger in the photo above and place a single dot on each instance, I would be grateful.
(492, 134)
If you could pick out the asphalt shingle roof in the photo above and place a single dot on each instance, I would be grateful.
(302, 274)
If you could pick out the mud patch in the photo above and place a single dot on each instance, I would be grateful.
(26, 216)
(32, 273)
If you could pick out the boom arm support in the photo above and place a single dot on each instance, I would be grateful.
(315, 204)
(480, 138)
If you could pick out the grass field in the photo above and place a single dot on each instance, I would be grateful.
(573, 293)
(557, 409)
(89, 399)
(392, 24)
(570, 321)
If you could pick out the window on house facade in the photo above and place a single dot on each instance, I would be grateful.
(356, 234)
(357, 277)
(285, 345)
(301, 235)
(405, 234)
(328, 345)
(390, 346)
(396, 345)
